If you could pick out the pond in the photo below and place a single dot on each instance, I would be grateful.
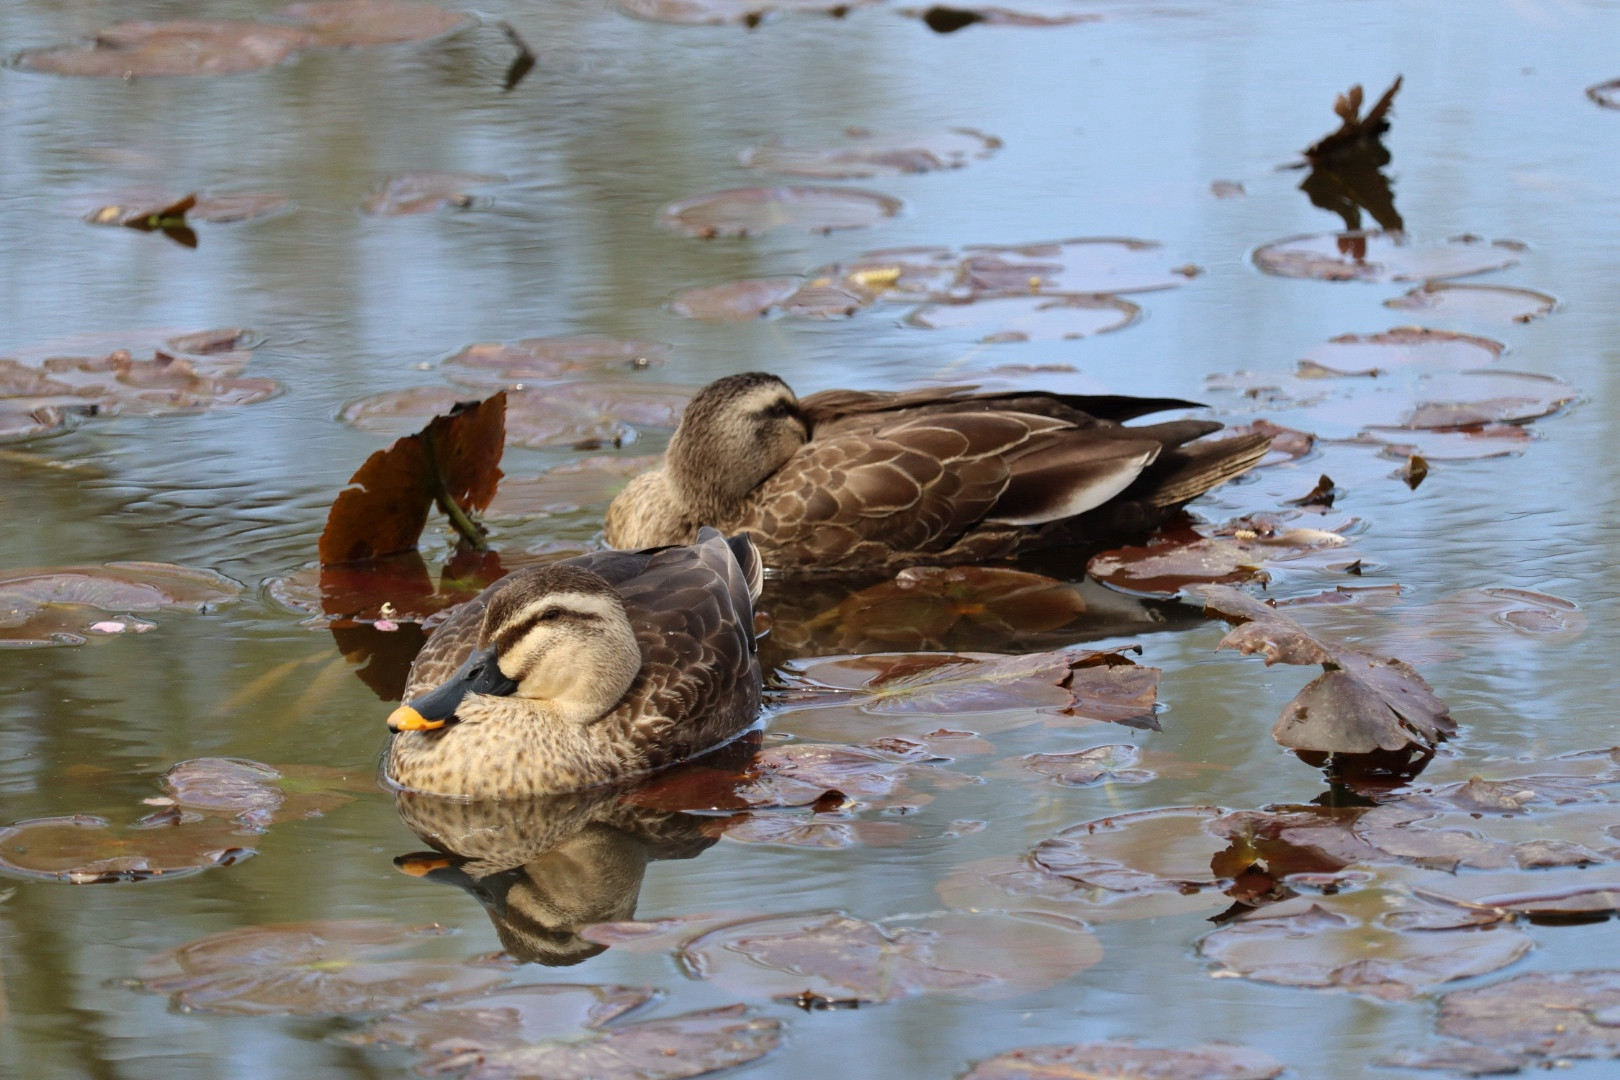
(986, 931)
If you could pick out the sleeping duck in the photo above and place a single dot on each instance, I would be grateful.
(848, 479)
(584, 671)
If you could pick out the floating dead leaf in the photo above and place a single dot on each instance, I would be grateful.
(983, 955)
(1030, 318)
(1493, 825)
(1476, 398)
(87, 850)
(1374, 255)
(1287, 444)
(1359, 704)
(1461, 444)
(57, 605)
(425, 192)
(1164, 850)
(313, 968)
(922, 604)
(948, 20)
(796, 774)
(453, 463)
(1179, 559)
(1483, 303)
(580, 415)
(1127, 1061)
(493, 364)
(1406, 346)
(1456, 1058)
(1606, 94)
(589, 483)
(340, 24)
(749, 13)
(866, 154)
(735, 301)
(1543, 1016)
(1102, 685)
(815, 831)
(1588, 904)
(258, 795)
(508, 1016)
(1344, 942)
(1081, 266)
(149, 209)
(752, 211)
(1414, 471)
(178, 47)
(672, 1048)
(1115, 762)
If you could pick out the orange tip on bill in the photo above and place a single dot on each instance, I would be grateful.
(406, 718)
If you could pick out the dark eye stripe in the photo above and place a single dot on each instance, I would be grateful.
(508, 638)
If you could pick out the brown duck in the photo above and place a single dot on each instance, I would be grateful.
(584, 671)
(849, 479)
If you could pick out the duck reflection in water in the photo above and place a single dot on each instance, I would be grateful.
(545, 867)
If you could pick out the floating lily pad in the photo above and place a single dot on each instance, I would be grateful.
(752, 211)
(749, 13)
(1087, 265)
(1539, 1015)
(589, 483)
(1176, 560)
(1585, 904)
(1115, 763)
(339, 24)
(314, 968)
(18, 424)
(691, 1044)
(493, 364)
(55, 606)
(1460, 1058)
(1461, 444)
(1407, 346)
(425, 192)
(258, 795)
(1030, 318)
(571, 414)
(1127, 1061)
(735, 301)
(1148, 851)
(509, 1016)
(1345, 942)
(866, 154)
(1360, 704)
(814, 831)
(179, 47)
(1092, 684)
(1606, 94)
(86, 850)
(977, 955)
(798, 774)
(1481, 303)
(1373, 255)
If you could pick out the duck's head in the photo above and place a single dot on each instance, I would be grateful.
(736, 432)
(555, 644)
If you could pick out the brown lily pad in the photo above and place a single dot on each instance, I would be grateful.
(581, 415)
(257, 795)
(1606, 94)
(1165, 850)
(454, 462)
(752, 211)
(1115, 762)
(340, 24)
(748, 13)
(1177, 560)
(1540, 1015)
(1476, 303)
(178, 47)
(587, 484)
(1099, 685)
(672, 1048)
(1407, 346)
(923, 603)
(797, 774)
(495, 364)
(1127, 1061)
(85, 850)
(819, 832)
(1374, 255)
(1030, 318)
(18, 424)
(735, 301)
(425, 192)
(1584, 904)
(314, 968)
(1360, 704)
(1345, 942)
(1085, 265)
(866, 154)
(1460, 444)
(56, 606)
(983, 955)
(1463, 1058)
(507, 1016)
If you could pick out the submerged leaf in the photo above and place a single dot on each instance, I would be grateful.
(339, 24)
(752, 211)
(54, 606)
(425, 192)
(178, 47)
(867, 154)
(923, 603)
(86, 850)
(258, 795)
(503, 1017)
(498, 364)
(582, 415)
(1127, 1061)
(1539, 1015)
(314, 968)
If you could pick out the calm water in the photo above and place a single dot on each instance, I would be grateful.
(1116, 128)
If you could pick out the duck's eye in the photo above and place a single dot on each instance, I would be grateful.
(551, 614)
(780, 409)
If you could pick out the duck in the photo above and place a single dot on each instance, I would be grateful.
(582, 672)
(849, 480)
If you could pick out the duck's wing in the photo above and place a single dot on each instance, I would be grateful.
(693, 614)
(917, 485)
(836, 412)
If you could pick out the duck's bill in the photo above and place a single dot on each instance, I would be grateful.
(479, 675)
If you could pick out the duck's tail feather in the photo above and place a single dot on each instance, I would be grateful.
(1203, 465)
(747, 556)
